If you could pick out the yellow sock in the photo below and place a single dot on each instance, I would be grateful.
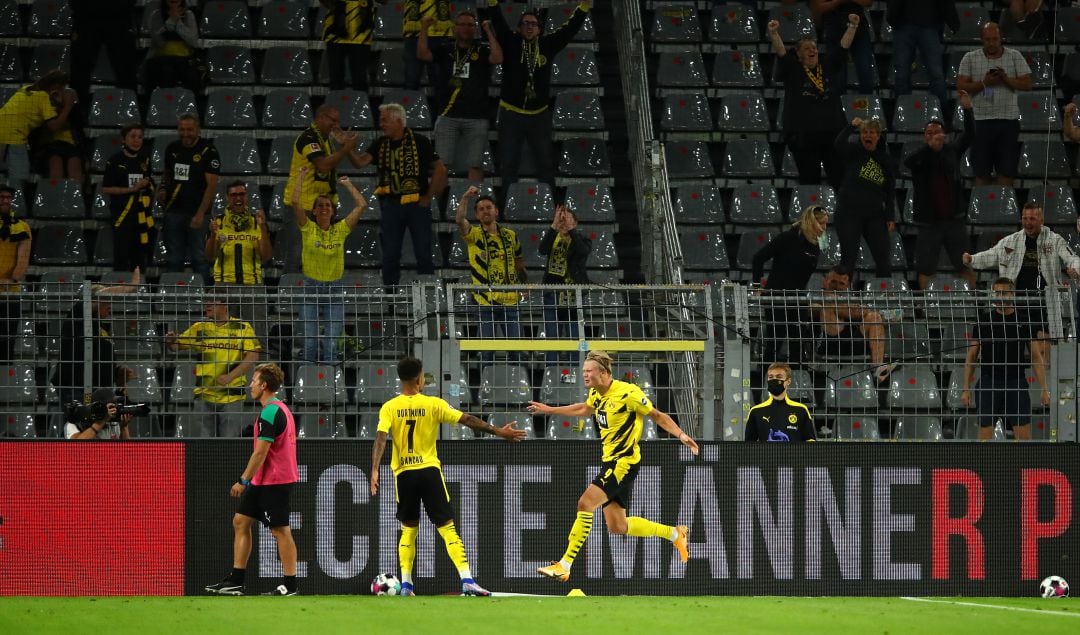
(645, 528)
(578, 533)
(456, 549)
(406, 551)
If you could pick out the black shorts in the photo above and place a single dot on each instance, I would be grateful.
(1004, 398)
(849, 343)
(617, 481)
(952, 234)
(268, 504)
(425, 486)
(996, 147)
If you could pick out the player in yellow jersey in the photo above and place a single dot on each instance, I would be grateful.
(618, 408)
(412, 420)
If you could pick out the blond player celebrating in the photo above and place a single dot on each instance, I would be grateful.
(618, 408)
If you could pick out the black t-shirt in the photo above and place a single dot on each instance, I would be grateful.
(465, 95)
(1030, 277)
(388, 173)
(806, 107)
(793, 260)
(125, 171)
(185, 174)
(1003, 339)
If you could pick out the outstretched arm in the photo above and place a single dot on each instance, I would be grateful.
(361, 203)
(665, 421)
(508, 432)
(299, 213)
(573, 410)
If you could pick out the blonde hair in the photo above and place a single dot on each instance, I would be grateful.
(810, 221)
(780, 366)
(602, 359)
(872, 124)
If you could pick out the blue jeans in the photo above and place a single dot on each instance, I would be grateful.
(559, 322)
(396, 218)
(514, 130)
(906, 38)
(324, 305)
(506, 316)
(862, 51)
(184, 243)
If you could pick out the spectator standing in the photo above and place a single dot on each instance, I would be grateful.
(15, 244)
(865, 204)
(794, 255)
(1028, 16)
(462, 127)
(174, 44)
(495, 258)
(440, 30)
(918, 24)
(95, 24)
(813, 114)
(348, 31)
(997, 345)
(187, 191)
(324, 265)
(410, 174)
(525, 94)
(229, 349)
(58, 153)
(779, 418)
(836, 18)
(130, 189)
(938, 204)
(30, 107)
(567, 250)
(237, 244)
(992, 75)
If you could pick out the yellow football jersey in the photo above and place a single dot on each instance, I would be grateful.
(618, 413)
(412, 422)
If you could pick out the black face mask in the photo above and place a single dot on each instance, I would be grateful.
(776, 387)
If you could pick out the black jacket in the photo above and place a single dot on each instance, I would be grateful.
(580, 246)
(924, 163)
(946, 11)
(870, 192)
(793, 260)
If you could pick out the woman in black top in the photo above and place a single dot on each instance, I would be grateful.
(794, 255)
(865, 205)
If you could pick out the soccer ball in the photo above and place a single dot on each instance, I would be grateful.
(1054, 587)
(386, 584)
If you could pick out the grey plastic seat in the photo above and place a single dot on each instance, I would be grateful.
(688, 159)
(748, 158)
(279, 161)
(698, 204)
(284, 20)
(1041, 158)
(733, 22)
(58, 199)
(1042, 67)
(1059, 207)
(287, 108)
(587, 157)
(135, 338)
(230, 65)
(972, 19)
(388, 21)
(703, 247)
(10, 20)
(737, 68)
(145, 386)
(949, 297)
(167, 104)
(750, 242)
(239, 154)
(390, 68)
(575, 66)
(686, 112)
(416, 107)
(591, 202)
(230, 108)
(1038, 112)
(319, 385)
(681, 69)
(1068, 24)
(918, 427)
(742, 113)
(225, 19)
(803, 196)
(850, 387)
(913, 112)
(755, 204)
(675, 23)
(504, 384)
(577, 110)
(49, 19)
(801, 388)
(362, 248)
(59, 245)
(603, 253)
(795, 21)
(46, 57)
(857, 428)
(569, 428)
(11, 68)
(353, 107)
(993, 205)
(112, 108)
(863, 106)
(529, 202)
(562, 385)
(286, 65)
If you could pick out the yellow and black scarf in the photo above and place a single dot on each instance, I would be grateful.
(817, 77)
(399, 172)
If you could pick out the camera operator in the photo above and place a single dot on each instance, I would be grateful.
(101, 423)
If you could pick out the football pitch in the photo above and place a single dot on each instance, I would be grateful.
(646, 615)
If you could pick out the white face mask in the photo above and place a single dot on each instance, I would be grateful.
(823, 241)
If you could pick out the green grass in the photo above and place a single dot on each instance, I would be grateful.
(646, 615)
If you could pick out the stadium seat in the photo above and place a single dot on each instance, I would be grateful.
(135, 338)
(751, 240)
(102, 255)
(993, 205)
(1042, 68)
(1038, 112)
(737, 68)
(284, 20)
(11, 68)
(952, 344)
(390, 68)
(230, 108)
(1043, 159)
(569, 428)
(278, 162)
(49, 19)
(681, 69)
(319, 385)
(529, 202)
(591, 202)
(230, 65)
(239, 154)
(803, 196)
(795, 21)
(225, 19)
(688, 160)
(416, 107)
(675, 23)
(576, 110)
(906, 341)
(686, 112)
(698, 204)
(1068, 24)
(182, 399)
(972, 19)
(574, 66)
(388, 21)
(362, 248)
(46, 57)
(25, 345)
(112, 108)
(286, 65)
(10, 20)
(850, 387)
(145, 386)
(561, 384)
(504, 384)
(1059, 207)
(830, 256)
(748, 158)
(913, 112)
(863, 106)
(167, 104)
(857, 428)
(703, 247)
(584, 157)
(755, 204)
(949, 297)
(559, 14)
(911, 427)
(353, 107)
(603, 252)
(58, 199)
(287, 108)
(742, 113)
(733, 22)
(18, 393)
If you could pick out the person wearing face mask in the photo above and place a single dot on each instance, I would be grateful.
(865, 206)
(794, 255)
(779, 418)
(130, 190)
(813, 115)
(938, 201)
